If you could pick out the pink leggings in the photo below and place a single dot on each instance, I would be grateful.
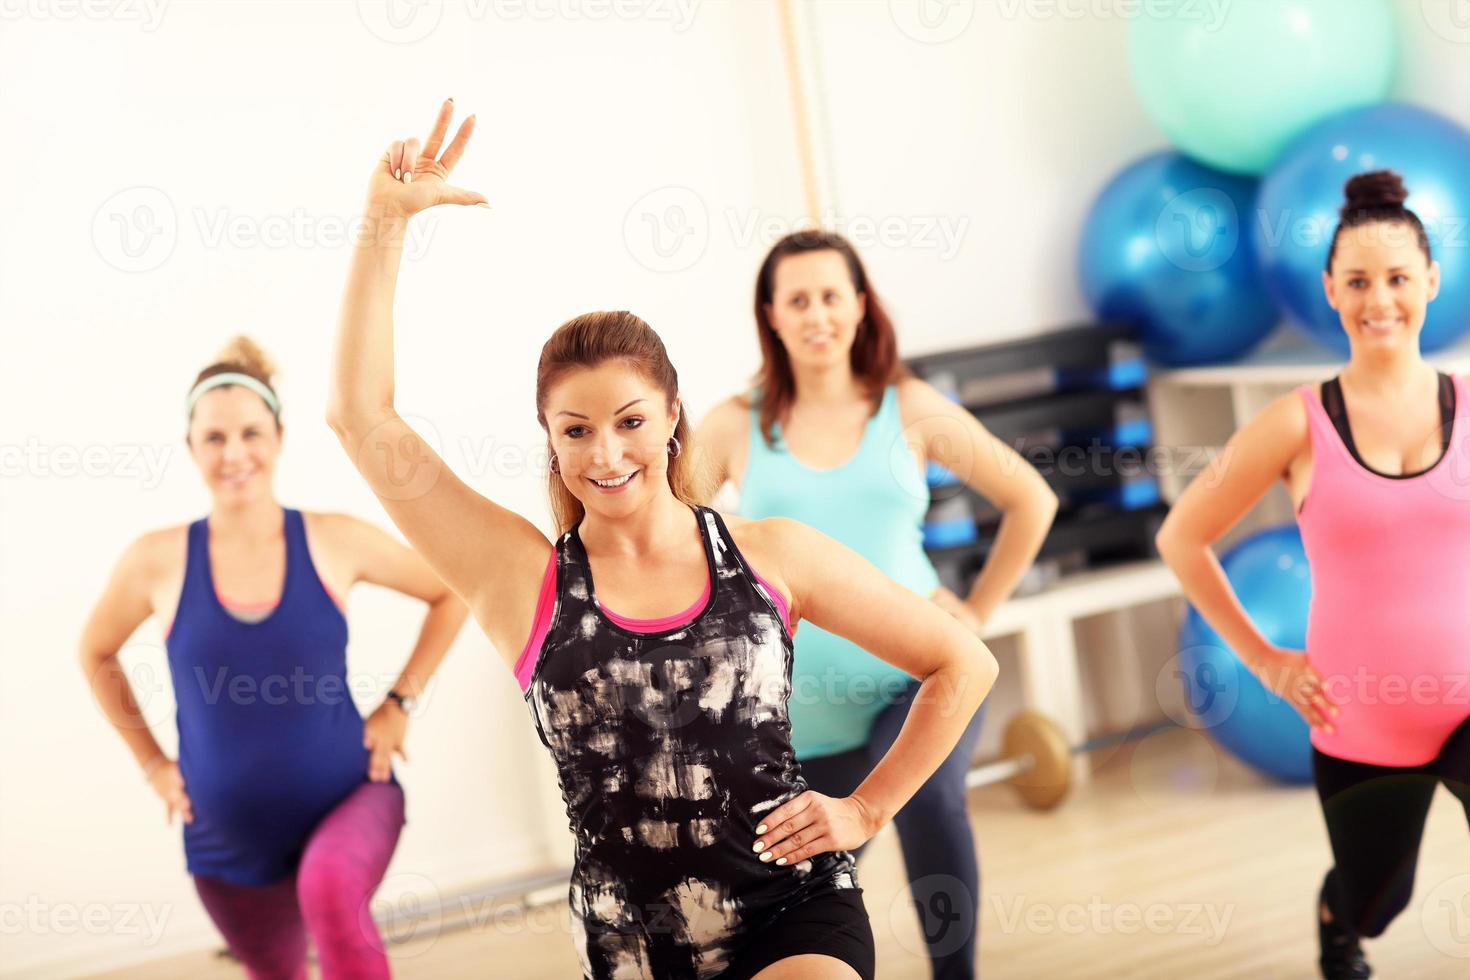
(328, 897)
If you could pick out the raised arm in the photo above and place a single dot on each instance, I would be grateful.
(842, 592)
(491, 556)
(1214, 502)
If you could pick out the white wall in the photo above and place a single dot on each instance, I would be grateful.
(262, 120)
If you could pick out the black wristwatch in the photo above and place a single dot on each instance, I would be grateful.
(407, 704)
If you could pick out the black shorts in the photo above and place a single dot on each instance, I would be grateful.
(833, 922)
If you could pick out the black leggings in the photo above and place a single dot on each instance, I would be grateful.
(933, 830)
(1375, 819)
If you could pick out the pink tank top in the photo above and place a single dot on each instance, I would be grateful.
(1389, 623)
(546, 600)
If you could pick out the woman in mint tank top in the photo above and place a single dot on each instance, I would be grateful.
(836, 434)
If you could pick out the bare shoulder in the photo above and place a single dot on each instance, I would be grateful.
(727, 417)
(159, 551)
(919, 401)
(334, 527)
(154, 559)
(765, 542)
(1283, 419)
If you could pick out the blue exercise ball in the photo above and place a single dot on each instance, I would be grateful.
(1298, 207)
(1232, 87)
(1164, 247)
(1269, 574)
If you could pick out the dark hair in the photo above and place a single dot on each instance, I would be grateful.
(874, 356)
(242, 356)
(592, 339)
(1378, 195)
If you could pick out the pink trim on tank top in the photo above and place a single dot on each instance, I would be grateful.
(546, 601)
(253, 607)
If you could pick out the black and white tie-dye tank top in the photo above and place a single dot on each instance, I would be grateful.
(669, 747)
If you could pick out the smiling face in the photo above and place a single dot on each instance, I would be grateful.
(609, 428)
(1380, 285)
(815, 309)
(235, 442)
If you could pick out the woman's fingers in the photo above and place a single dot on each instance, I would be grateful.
(439, 131)
(458, 195)
(381, 763)
(410, 159)
(456, 147)
(791, 833)
(395, 159)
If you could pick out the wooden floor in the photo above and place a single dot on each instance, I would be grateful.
(1175, 861)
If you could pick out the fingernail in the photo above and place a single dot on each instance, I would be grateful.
(484, 205)
(408, 177)
(766, 856)
(780, 861)
(761, 829)
(450, 99)
(398, 175)
(760, 846)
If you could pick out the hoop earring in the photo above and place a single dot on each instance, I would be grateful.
(554, 465)
(675, 449)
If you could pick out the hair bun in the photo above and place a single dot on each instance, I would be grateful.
(243, 352)
(1375, 190)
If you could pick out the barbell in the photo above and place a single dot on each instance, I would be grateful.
(1037, 760)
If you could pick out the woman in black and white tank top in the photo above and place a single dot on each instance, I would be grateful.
(699, 850)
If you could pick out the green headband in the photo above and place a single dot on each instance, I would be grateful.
(232, 378)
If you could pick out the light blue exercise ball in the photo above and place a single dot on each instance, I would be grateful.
(1165, 247)
(1269, 574)
(1300, 199)
(1231, 84)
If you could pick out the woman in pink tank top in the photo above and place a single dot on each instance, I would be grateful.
(1378, 461)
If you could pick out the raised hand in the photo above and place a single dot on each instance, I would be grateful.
(410, 178)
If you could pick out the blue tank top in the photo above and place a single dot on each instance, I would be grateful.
(269, 738)
(875, 504)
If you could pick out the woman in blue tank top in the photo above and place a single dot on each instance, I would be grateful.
(660, 680)
(290, 807)
(830, 380)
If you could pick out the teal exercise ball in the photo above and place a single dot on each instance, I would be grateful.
(1231, 84)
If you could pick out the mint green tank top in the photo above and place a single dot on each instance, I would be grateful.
(875, 504)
